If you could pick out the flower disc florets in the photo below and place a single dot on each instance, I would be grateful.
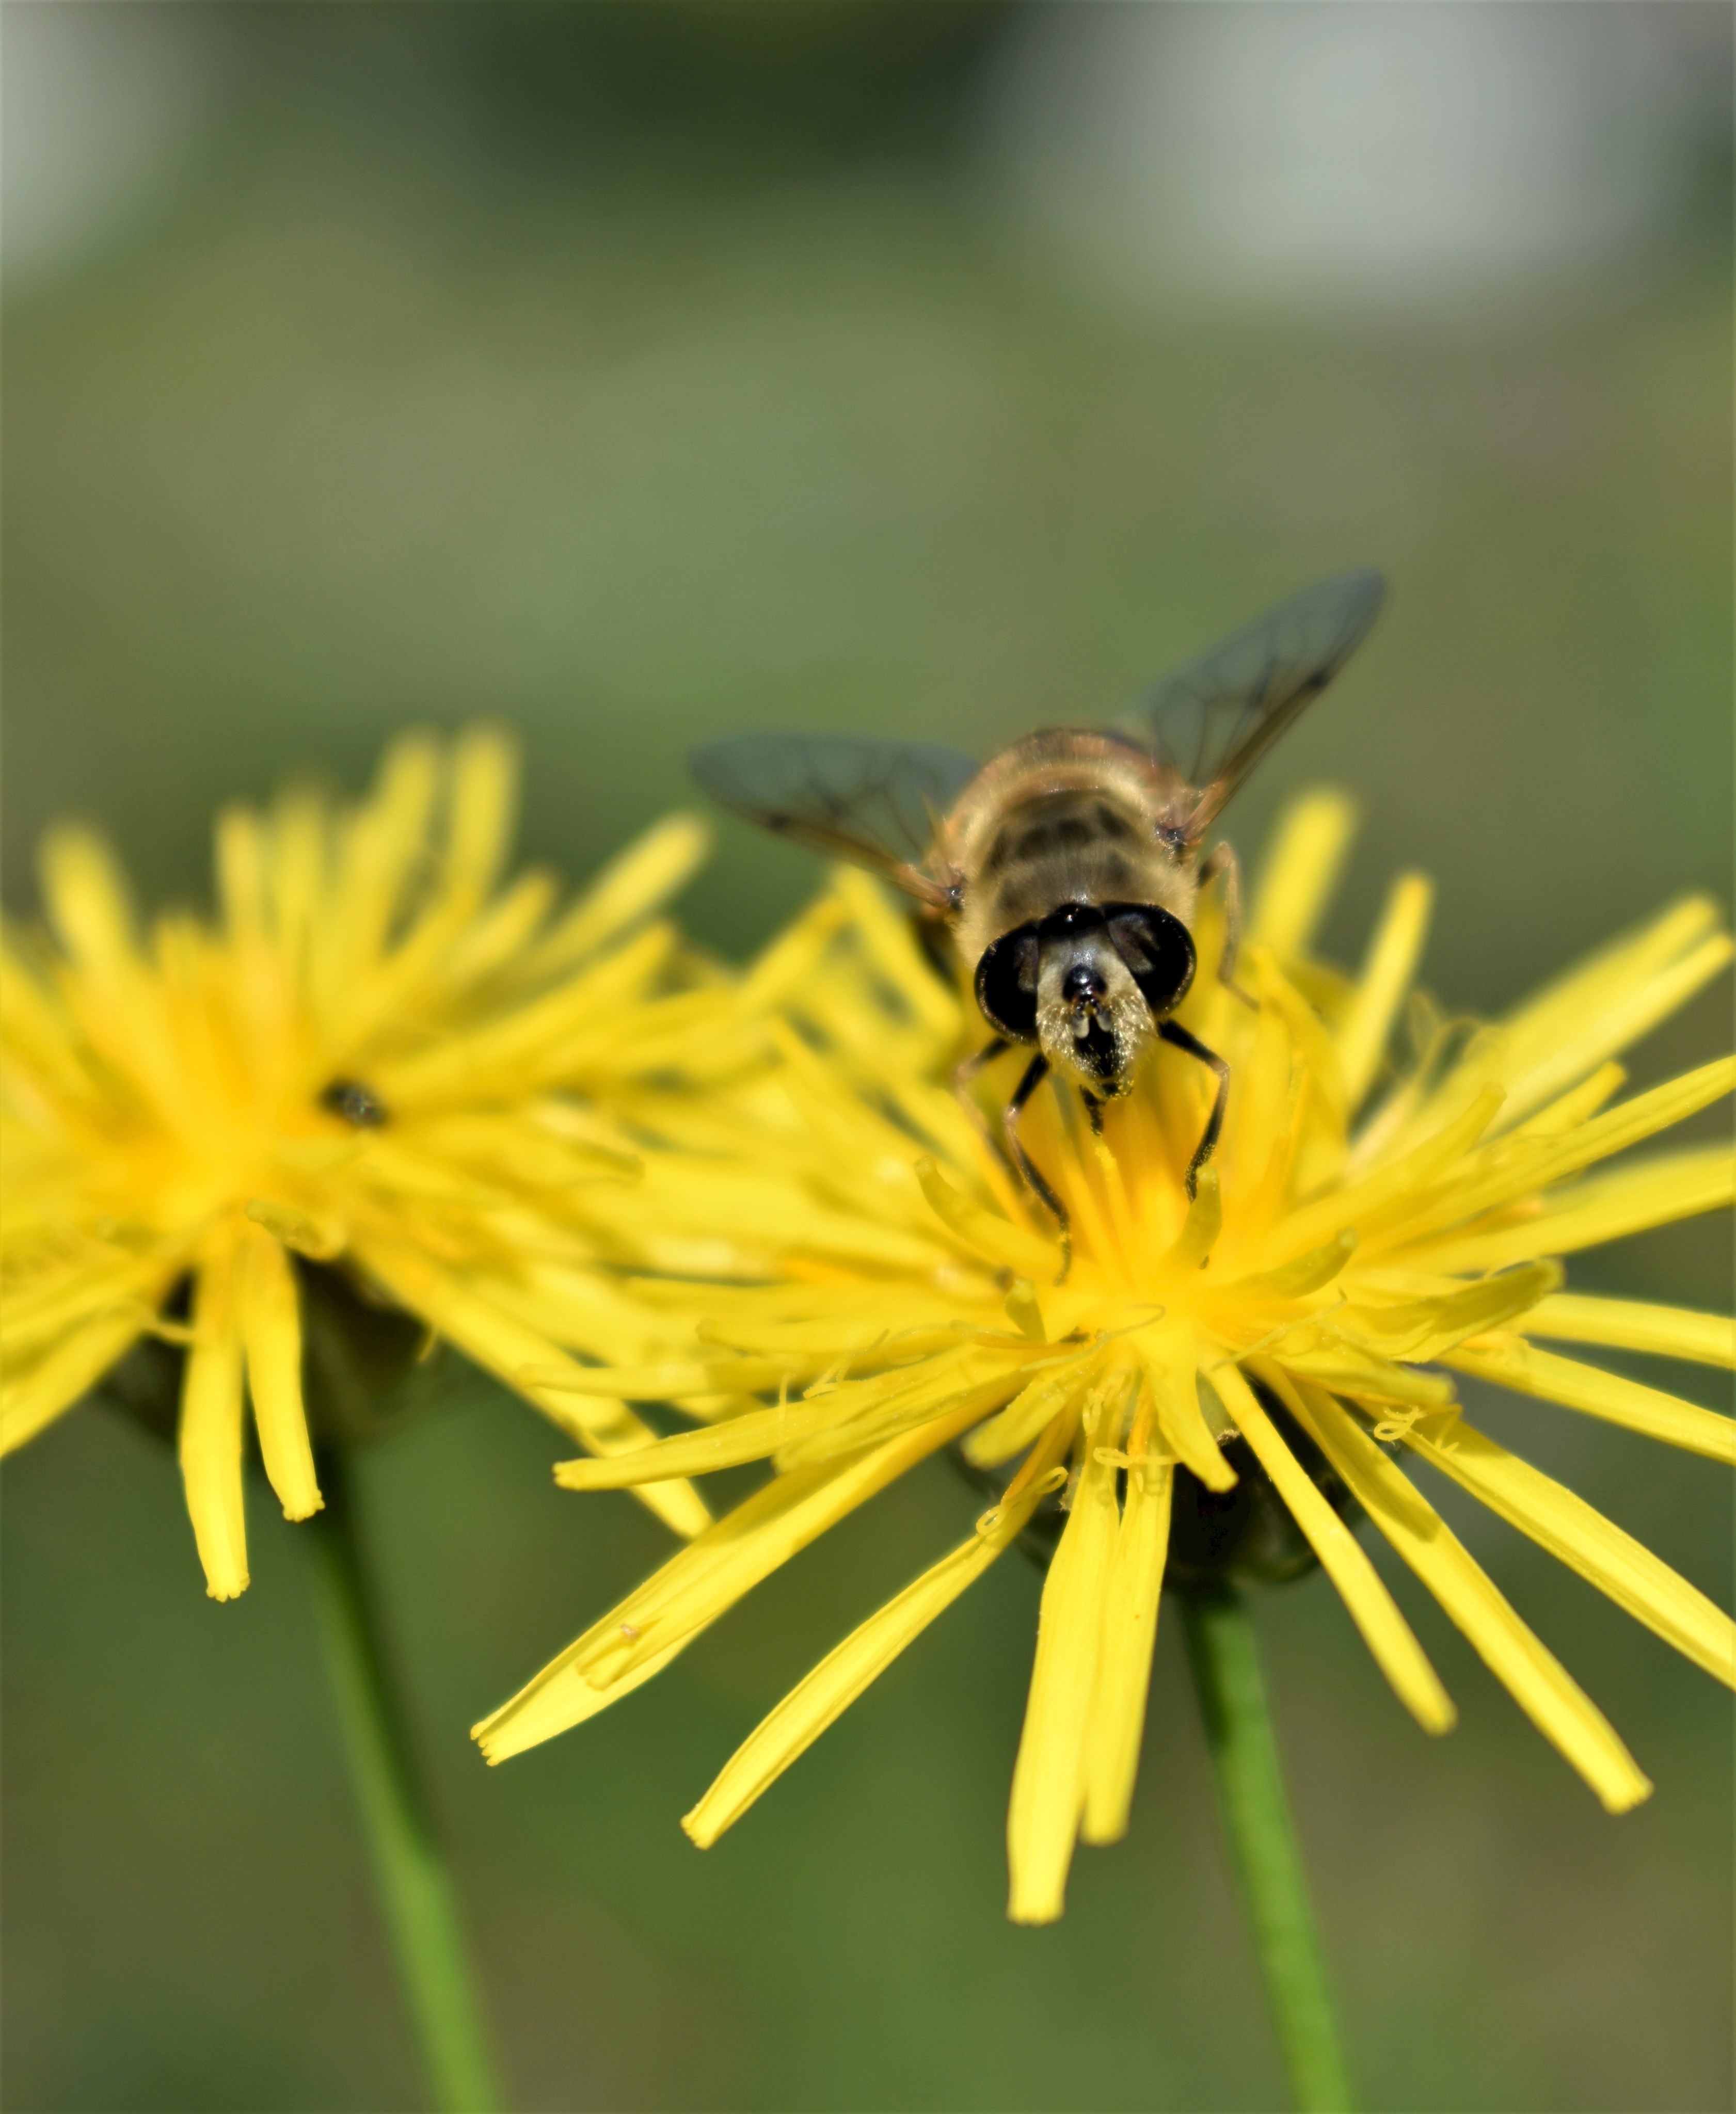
(881, 1286)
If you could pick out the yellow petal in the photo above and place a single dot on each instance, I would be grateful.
(1538, 1683)
(1622, 1020)
(1300, 871)
(32, 1399)
(1508, 1170)
(1130, 1606)
(1421, 1328)
(1596, 1009)
(698, 1585)
(1512, 1362)
(819, 1701)
(502, 1344)
(1630, 1325)
(88, 902)
(1168, 1360)
(1656, 1192)
(1391, 962)
(997, 1238)
(634, 884)
(210, 1437)
(1580, 1536)
(271, 1331)
(1391, 1192)
(1042, 1819)
(1371, 1607)
(484, 796)
(890, 943)
(1015, 1427)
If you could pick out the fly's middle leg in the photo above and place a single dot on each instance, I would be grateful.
(1035, 1073)
(1173, 1033)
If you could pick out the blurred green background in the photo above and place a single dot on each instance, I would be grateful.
(636, 372)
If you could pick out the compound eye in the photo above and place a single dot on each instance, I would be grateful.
(1006, 983)
(1157, 950)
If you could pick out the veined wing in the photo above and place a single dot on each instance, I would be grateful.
(1210, 721)
(878, 803)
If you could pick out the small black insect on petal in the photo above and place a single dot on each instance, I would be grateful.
(356, 1103)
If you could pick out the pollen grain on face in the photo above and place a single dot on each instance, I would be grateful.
(380, 1056)
(866, 1283)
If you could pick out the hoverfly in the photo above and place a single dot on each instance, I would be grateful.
(1067, 868)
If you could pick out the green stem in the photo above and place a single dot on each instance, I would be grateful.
(1275, 1892)
(415, 1890)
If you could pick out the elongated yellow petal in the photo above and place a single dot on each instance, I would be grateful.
(1631, 1324)
(1131, 1605)
(1300, 869)
(891, 943)
(1656, 1192)
(271, 1332)
(210, 1438)
(1577, 1106)
(698, 1585)
(1577, 1533)
(634, 885)
(1168, 1360)
(1042, 1820)
(999, 1239)
(1391, 962)
(1371, 1607)
(1508, 1171)
(1514, 1363)
(1586, 1016)
(484, 798)
(503, 1345)
(1043, 1399)
(31, 1399)
(1385, 1194)
(1627, 1017)
(1538, 1683)
(845, 1672)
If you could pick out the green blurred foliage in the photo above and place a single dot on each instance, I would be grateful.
(632, 383)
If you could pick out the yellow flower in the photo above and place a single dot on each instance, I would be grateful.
(366, 1061)
(1363, 1234)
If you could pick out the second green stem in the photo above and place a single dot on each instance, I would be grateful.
(414, 1889)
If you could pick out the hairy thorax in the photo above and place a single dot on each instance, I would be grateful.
(1063, 816)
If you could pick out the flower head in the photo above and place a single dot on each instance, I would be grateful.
(882, 1288)
(377, 1058)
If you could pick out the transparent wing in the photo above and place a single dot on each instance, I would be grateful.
(876, 802)
(1210, 721)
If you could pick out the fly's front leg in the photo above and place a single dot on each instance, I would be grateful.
(966, 1070)
(1035, 1073)
(964, 1074)
(1222, 860)
(1172, 1032)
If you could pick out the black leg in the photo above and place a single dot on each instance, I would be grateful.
(1172, 1032)
(1034, 1075)
(1093, 1110)
(1223, 860)
(962, 1073)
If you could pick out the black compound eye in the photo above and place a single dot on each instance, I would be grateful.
(1006, 983)
(1157, 950)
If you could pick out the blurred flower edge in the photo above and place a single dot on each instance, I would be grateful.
(880, 1288)
(382, 1079)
